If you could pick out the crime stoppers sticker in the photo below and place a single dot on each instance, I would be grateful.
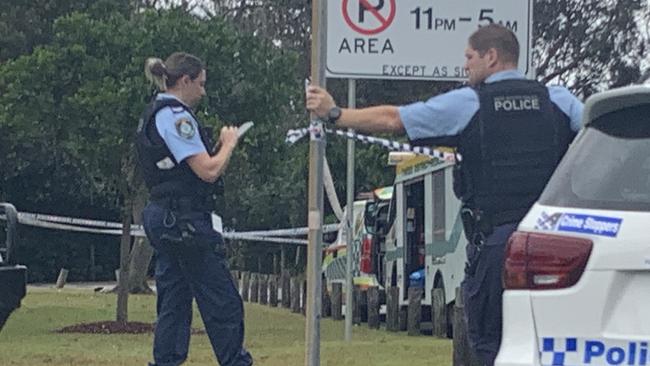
(579, 223)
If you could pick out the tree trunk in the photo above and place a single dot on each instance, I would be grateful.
(142, 252)
(125, 246)
(141, 255)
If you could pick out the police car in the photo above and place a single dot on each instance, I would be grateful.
(577, 271)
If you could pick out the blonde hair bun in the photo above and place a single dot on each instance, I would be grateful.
(156, 72)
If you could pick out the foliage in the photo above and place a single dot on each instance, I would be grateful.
(591, 45)
(27, 24)
(82, 95)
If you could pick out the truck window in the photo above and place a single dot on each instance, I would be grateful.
(439, 217)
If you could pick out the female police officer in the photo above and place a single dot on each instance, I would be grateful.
(174, 152)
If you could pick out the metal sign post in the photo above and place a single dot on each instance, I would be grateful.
(315, 213)
(352, 103)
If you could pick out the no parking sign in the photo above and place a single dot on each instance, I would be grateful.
(366, 18)
(416, 39)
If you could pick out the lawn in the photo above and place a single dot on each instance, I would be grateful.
(274, 336)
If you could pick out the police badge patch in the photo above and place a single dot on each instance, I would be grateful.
(185, 128)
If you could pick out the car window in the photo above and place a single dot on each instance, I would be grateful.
(609, 166)
(370, 216)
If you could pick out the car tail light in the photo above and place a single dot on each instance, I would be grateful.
(541, 261)
(365, 264)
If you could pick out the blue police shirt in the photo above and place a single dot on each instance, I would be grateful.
(448, 114)
(181, 145)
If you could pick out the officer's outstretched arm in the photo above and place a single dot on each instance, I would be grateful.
(379, 119)
(384, 118)
(209, 168)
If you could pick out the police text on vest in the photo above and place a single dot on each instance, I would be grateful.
(513, 103)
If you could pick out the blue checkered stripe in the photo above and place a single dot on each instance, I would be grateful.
(560, 352)
(547, 222)
(356, 257)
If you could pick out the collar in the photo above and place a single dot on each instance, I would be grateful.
(505, 75)
(169, 96)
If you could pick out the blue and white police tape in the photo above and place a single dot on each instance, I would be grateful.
(102, 228)
(291, 232)
(295, 135)
(115, 228)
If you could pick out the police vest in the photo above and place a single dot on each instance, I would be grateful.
(510, 148)
(163, 175)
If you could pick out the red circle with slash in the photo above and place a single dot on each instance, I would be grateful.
(383, 21)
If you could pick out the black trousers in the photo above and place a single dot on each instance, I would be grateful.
(187, 271)
(482, 293)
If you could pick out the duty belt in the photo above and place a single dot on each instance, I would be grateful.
(179, 214)
(185, 204)
(478, 224)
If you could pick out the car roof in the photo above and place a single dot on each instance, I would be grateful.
(612, 100)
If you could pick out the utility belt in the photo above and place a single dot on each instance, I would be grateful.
(478, 226)
(184, 203)
(202, 197)
(180, 215)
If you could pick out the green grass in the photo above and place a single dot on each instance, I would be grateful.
(274, 336)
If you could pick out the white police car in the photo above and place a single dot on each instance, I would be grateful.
(577, 271)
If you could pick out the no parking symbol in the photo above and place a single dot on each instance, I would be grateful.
(369, 17)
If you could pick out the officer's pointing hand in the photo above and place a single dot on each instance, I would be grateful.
(319, 101)
(228, 136)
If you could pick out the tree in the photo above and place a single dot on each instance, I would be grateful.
(86, 90)
(27, 24)
(591, 45)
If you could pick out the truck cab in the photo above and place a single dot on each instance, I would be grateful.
(425, 246)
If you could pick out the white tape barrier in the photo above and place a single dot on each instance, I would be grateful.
(289, 232)
(136, 230)
(295, 135)
(271, 239)
(70, 220)
(328, 183)
(115, 228)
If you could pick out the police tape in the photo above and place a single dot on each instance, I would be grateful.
(271, 239)
(68, 220)
(136, 230)
(295, 135)
(291, 232)
(115, 228)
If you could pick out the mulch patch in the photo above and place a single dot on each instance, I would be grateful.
(113, 327)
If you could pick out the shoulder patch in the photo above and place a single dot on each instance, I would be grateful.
(185, 128)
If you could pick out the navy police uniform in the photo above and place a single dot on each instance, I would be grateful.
(511, 134)
(190, 254)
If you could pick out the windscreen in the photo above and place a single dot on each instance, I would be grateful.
(609, 165)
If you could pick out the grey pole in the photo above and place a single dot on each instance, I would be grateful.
(352, 101)
(315, 213)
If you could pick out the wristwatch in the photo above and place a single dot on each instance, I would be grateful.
(333, 115)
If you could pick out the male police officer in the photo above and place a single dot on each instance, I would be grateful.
(179, 170)
(511, 133)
